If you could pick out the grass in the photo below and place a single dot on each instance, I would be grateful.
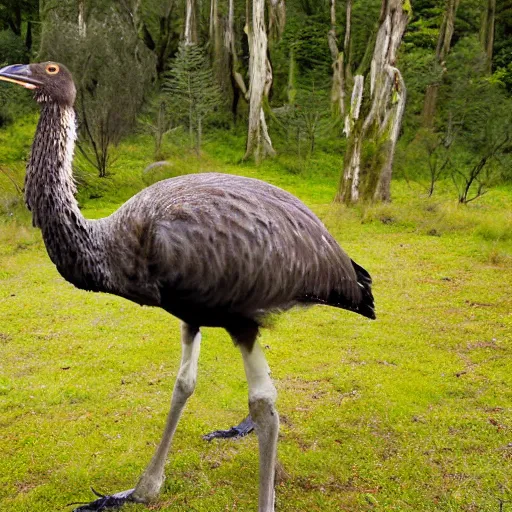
(412, 412)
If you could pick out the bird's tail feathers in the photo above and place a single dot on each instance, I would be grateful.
(367, 306)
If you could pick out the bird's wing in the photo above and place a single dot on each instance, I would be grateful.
(247, 249)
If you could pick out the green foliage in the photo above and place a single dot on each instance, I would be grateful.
(420, 69)
(423, 29)
(13, 102)
(502, 58)
(477, 117)
(112, 71)
(305, 119)
(426, 160)
(190, 91)
(18, 28)
(12, 48)
(311, 48)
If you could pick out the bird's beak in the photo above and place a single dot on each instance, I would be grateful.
(19, 74)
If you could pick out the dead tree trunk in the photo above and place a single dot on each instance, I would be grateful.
(338, 75)
(259, 144)
(340, 62)
(444, 42)
(190, 32)
(374, 121)
(277, 19)
(82, 27)
(219, 51)
(487, 32)
(237, 81)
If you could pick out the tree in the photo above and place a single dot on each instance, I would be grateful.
(19, 17)
(160, 30)
(476, 119)
(191, 90)
(306, 117)
(443, 47)
(190, 35)
(219, 49)
(487, 32)
(374, 121)
(340, 60)
(259, 144)
(237, 80)
(108, 96)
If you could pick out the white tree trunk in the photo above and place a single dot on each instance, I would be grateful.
(340, 62)
(213, 18)
(367, 174)
(190, 33)
(259, 144)
(338, 74)
(277, 21)
(229, 42)
(82, 27)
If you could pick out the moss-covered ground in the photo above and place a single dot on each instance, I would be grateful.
(412, 412)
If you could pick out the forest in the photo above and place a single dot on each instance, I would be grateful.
(419, 91)
(392, 121)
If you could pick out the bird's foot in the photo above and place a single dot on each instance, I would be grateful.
(241, 430)
(103, 502)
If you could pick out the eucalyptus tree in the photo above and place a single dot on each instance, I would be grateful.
(190, 30)
(444, 42)
(340, 59)
(259, 144)
(373, 121)
(487, 31)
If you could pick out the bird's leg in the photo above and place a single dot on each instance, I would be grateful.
(153, 477)
(262, 397)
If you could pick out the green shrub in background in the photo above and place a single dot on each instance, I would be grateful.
(14, 102)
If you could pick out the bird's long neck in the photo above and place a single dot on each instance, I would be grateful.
(49, 193)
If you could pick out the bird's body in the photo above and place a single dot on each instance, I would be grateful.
(202, 247)
(212, 249)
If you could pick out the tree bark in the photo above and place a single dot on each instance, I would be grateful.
(444, 42)
(190, 33)
(487, 32)
(219, 51)
(237, 80)
(277, 19)
(372, 137)
(259, 144)
(82, 27)
(338, 69)
(341, 62)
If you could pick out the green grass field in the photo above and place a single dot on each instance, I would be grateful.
(412, 412)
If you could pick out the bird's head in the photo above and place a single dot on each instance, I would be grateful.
(51, 82)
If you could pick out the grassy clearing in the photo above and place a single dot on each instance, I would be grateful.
(411, 412)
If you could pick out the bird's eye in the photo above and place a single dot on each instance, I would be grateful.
(52, 69)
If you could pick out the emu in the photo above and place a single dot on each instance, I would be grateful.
(211, 249)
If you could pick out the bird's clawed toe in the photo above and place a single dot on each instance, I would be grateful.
(104, 502)
(241, 430)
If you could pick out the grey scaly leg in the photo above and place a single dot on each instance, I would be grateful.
(153, 477)
(262, 397)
